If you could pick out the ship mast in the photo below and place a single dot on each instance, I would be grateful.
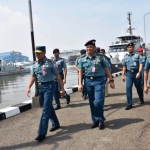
(129, 30)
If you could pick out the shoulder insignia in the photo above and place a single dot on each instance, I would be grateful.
(136, 56)
(126, 56)
(83, 56)
(52, 62)
(104, 58)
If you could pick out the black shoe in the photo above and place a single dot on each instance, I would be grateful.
(101, 125)
(58, 107)
(142, 102)
(128, 107)
(40, 138)
(68, 99)
(94, 125)
(85, 97)
(54, 128)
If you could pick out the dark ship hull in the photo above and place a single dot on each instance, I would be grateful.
(116, 68)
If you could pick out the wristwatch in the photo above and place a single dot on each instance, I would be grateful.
(111, 80)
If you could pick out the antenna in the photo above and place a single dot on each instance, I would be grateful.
(129, 19)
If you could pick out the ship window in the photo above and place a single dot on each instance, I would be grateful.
(122, 50)
(114, 50)
(118, 50)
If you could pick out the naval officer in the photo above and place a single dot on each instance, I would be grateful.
(96, 68)
(102, 51)
(132, 68)
(62, 68)
(140, 51)
(44, 69)
(84, 92)
(146, 71)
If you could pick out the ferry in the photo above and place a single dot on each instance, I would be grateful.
(11, 69)
(70, 56)
(118, 49)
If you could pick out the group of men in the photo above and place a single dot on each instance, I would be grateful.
(95, 69)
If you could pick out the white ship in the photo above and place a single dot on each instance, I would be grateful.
(70, 56)
(118, 49)
(11, 68)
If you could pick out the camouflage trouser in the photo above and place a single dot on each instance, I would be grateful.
(106, 89)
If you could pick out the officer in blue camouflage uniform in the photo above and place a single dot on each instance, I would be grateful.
(140, 51)
(62, 68)
(102, 51)
(84, 92)
(132, 68)
(96, 68)
(44, 69)
(146, 72)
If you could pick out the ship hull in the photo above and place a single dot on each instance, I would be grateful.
(4, 73)
(116, 68)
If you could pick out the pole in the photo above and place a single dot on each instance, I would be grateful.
(129, 19)
(33, 44)
(144, 27)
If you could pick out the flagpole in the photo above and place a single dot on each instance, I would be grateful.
(33, 44)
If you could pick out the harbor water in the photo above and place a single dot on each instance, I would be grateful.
(13, 87)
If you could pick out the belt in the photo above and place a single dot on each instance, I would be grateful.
(41, 83)
(92, 78)
(133, 70)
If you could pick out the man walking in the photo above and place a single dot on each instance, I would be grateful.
(96, 68)
(84, 92)
(44, 69)
(62, 68)
(132, 68)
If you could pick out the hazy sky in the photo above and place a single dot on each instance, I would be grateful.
(68, 24)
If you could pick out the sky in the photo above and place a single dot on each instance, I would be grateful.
(69, 24)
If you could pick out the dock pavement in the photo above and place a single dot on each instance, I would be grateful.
(124, 129)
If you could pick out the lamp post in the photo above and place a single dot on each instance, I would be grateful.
(144, 26)
(33, 47)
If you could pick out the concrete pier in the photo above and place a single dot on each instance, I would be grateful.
(124, 130)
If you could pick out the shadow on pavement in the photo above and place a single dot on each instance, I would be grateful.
(121, 105)
(62, 134)
(78, 105)
(114, 106)
(117, 94)
(119, 123)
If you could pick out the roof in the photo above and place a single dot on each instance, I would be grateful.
(8, 54)
(129, 37)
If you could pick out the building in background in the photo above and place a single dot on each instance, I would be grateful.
(13, 57)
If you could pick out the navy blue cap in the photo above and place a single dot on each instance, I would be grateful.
(102, 50)
(83, 51)
(91, 42)
(40, 49)
(130, 44)
(97, 49)
(55, 50)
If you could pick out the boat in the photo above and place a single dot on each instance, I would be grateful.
(72, 59)
(11, 69)
(118, 49)
(70, 56)
(24, 63)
